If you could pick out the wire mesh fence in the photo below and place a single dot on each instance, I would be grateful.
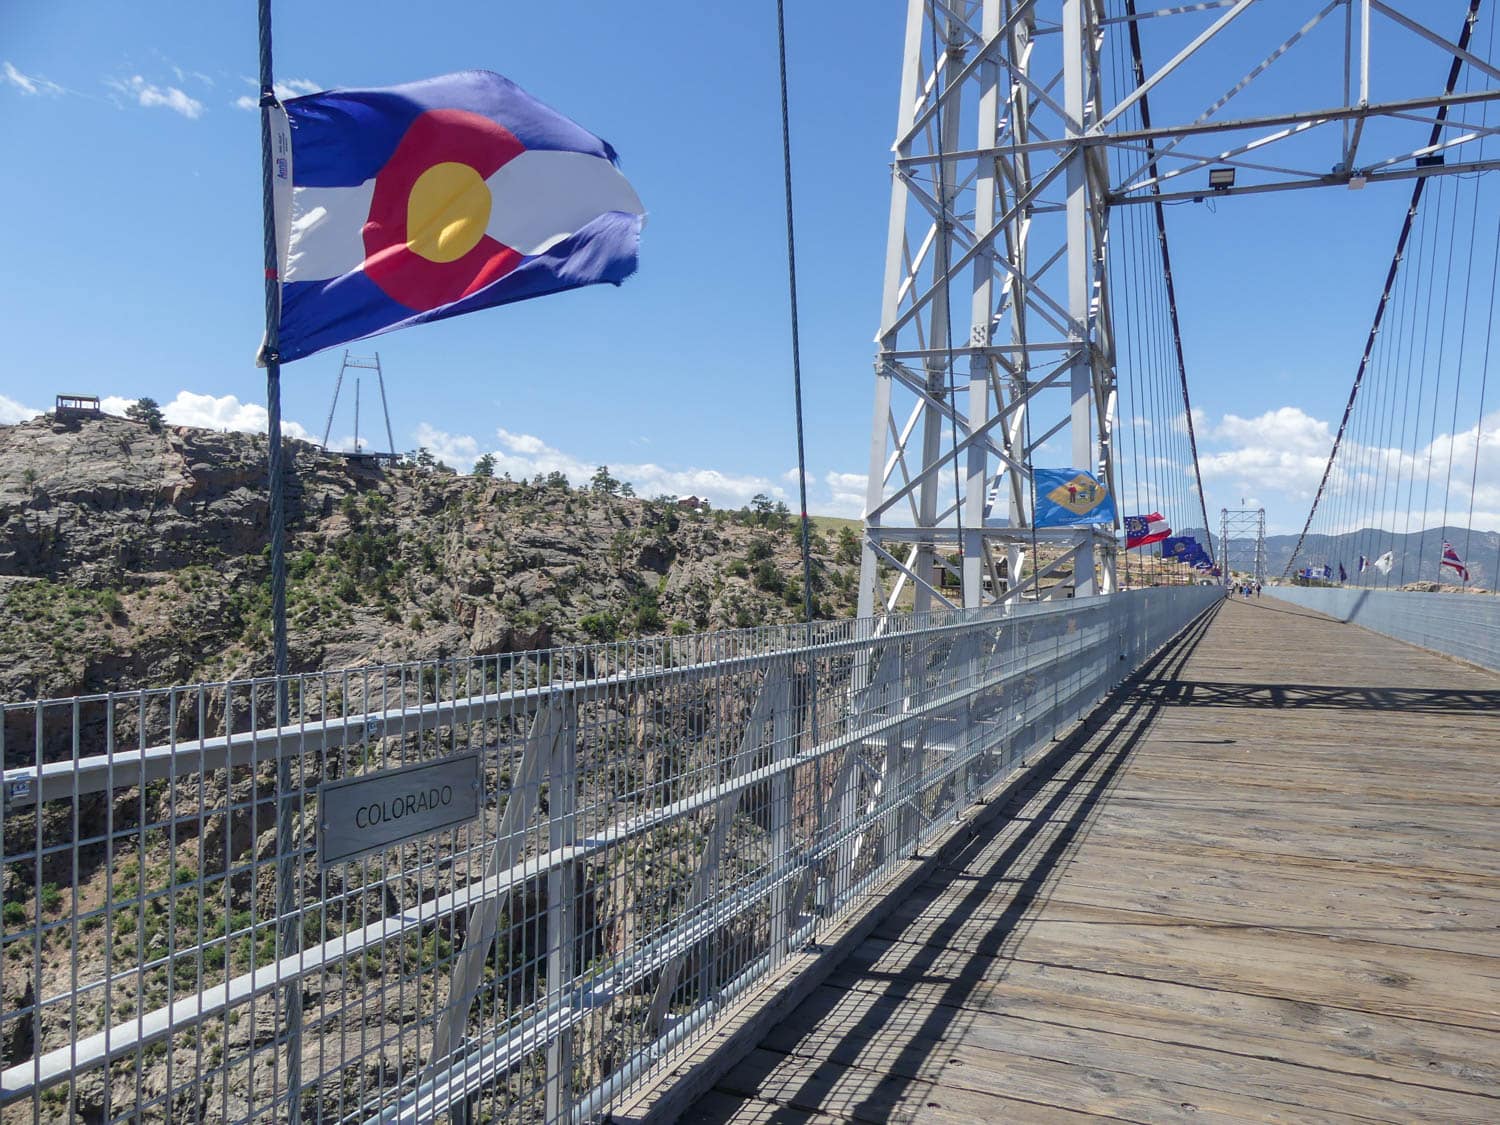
(486, 889)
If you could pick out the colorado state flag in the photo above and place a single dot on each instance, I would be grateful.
(1071, 498)
(413, 203)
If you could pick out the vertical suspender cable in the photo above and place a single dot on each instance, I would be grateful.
(1484, 382)
(1390, 277)
(1458, 373)
(1166, 261)
(791, 277)
(1416, 423)
(1472, 248)
(1437, 378)
(1429, 229)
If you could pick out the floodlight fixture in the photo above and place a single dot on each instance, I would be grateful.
(1221, 179)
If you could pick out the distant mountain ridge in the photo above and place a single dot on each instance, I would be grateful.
(1416, 554)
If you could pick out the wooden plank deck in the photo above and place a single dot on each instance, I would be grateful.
(1268, 888)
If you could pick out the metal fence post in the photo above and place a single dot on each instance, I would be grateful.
(783, 746)
(484, 919)
(288, 899)
(562, 906)
(769, 703)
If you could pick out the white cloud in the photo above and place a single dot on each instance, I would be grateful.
(150, 96)
(1281, 453)
(458, 450)
(31, 85)
(523, 456)
(1200, 422)
(287, 88)
(846, 494)
(210, 412)
(184, 75)
(523, 444)
(1277, 459)
(1286, 427)
(12, 411)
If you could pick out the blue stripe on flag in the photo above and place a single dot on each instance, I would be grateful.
(320, 314)
(344, 137)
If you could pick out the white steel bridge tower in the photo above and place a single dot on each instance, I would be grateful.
(1013, 147)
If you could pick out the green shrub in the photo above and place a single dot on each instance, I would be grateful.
(600, 626)
(768, 578)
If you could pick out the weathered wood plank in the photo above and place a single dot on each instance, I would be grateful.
(718, 1108)
(1389, 1048)
(858, 1028)
(861, 1094)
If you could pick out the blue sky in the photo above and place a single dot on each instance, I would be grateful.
(133, 247)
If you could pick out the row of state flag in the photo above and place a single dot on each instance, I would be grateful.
(1144, 530)
(1383, 563)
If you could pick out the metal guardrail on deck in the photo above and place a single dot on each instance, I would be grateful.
(659, 824)
(1463, 625)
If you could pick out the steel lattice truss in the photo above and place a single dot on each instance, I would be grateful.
(996, 331)
(1242, 542)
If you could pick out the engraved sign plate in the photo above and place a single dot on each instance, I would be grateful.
(375, 811)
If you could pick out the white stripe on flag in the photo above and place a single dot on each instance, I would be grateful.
(536, 200)
(542, 196)
(328, 231)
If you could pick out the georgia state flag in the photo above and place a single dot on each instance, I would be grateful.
(1143, 530)
(412, 203)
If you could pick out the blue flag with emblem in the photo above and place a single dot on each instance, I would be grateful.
(1071, 498)
(412, 203)
(1185, 549)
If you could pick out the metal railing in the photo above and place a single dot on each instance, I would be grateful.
(1463, 625)
(659, 823)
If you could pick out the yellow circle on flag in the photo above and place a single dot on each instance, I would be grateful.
(447, 212)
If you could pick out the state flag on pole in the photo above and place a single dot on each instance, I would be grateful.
(1364, 564)
(1143, 530)
(1343, 574)
(1451, 560)
(1385, 562)
(1185, 549)
(1070, 498)
(412, 203)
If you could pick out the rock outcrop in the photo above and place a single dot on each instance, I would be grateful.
(134, 557)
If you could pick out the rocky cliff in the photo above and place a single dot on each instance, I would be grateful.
(133, 557)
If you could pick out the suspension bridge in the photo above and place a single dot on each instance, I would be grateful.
(1053, 828)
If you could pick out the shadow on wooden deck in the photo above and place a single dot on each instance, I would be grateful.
(905, 1043)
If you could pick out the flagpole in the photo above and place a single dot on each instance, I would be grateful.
(288, 928)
